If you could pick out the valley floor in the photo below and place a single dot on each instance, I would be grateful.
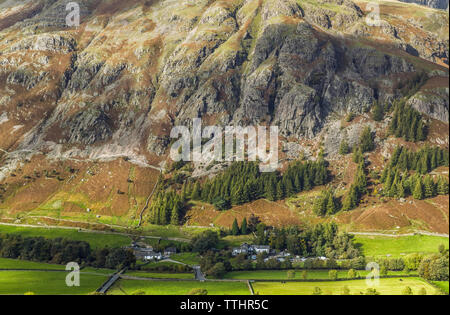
(23, 277)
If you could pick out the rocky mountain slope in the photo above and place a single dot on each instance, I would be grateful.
(113, 87)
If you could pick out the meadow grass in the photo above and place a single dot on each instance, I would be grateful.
(96, 240)
(310, 274)
(376, 246)
(46, 283)
(443, 285)
(187, 258)
(6, 263)
(388, 286)
(128, 287)
(98, 270)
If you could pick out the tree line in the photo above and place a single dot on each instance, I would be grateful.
(241, 183)
(63, 251)
(319, 240)
(423, 161)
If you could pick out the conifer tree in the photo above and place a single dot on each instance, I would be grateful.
(320, 204)
(442, 188)
(344, 148)
(331, 207)
(366, 140)
(196, 193)
(235, 228)
(184, 195)
(280, 191)
(400, 190)
(244, 228)
(357, 155)
(377, 112)
(175, 218)
(347, 202)
(428, 187)
(271, 189)
(418, 189)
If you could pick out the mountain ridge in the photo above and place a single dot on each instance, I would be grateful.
(112, 89)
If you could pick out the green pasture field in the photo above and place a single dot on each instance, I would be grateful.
(443, 285)
(129, 287)
(376, 246)
(190, 259)
(6, 263)
(310, 274)
(46, 283)
(388, 286)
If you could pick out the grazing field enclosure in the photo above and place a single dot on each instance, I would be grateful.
(391, 286)
(374, 246)
(46, 283)
(130, 287)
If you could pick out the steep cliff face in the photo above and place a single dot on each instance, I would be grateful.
(436, 4)
(115, 85)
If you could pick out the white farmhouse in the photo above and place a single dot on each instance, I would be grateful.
(259, 249)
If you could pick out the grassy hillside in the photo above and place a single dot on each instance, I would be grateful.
(96, 240)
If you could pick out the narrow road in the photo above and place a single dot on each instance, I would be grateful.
(174, 261)
(108, 284)
(198, 274)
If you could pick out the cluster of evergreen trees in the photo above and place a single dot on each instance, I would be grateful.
(366, 143)
(63, 251)
(319, 240)
(243, 230)
(359, 187)
(423, 161)
(242, 182)
(400, 185)
(326, 203)
(407, 123)
(168, 207)
(398, 182)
